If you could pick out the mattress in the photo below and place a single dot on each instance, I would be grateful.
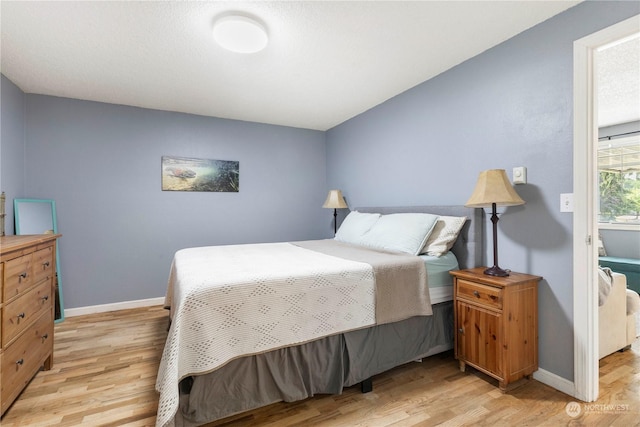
(439, 280)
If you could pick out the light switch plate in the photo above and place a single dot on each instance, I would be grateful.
(566, 202)
(520, 175)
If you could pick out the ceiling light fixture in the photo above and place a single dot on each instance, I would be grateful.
(241, 34)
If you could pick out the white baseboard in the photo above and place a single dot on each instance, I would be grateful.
(555, 381)
(103, 308)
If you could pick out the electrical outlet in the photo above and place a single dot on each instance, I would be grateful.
(566, 202)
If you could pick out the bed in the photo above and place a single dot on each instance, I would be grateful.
(222, 357)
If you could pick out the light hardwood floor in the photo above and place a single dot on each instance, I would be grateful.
(105, 367)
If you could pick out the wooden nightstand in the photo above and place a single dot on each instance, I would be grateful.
(496, 323)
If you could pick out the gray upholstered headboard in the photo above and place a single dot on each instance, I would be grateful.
(468, 248)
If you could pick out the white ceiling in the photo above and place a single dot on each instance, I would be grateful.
(618, 80)
(325, 63)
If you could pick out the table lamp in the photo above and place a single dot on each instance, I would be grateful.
(335, 201)
(494, 189)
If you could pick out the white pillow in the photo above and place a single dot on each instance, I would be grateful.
(444, 235)
(355, 225)
(401, 232)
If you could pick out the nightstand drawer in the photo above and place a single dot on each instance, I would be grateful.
(481, 294)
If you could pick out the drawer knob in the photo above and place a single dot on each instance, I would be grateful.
(461, 330)
(45, 298)
(23, 275)
(20, 362)
(45, 264)
(21, 316)
(45, 336)
(477, 294)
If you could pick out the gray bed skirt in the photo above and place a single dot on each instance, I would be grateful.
(324, 366)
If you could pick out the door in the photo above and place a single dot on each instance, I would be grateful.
(585, 298)
(479, 338)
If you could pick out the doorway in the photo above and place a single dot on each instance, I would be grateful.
(585, 226)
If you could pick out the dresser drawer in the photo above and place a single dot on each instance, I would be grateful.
(17, 276)
(42, 264)
(23, 358)
(21, 312)
(480, 294)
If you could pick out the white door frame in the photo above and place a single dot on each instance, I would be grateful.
(585, 226)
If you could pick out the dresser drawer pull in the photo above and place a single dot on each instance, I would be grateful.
(44, 337)
(461, 330)
(21, 316)
(476, 294)
(45, 298)
(20, 362)
(45, 264)
(23, 275)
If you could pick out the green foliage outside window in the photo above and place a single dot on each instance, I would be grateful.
(619, 196)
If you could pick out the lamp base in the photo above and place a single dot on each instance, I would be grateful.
(496, 271)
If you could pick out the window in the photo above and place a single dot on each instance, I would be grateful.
(619, 180)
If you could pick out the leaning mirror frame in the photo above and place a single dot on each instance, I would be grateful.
(50, 227)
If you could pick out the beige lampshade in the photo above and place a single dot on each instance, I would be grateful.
(335, 200)
(493, 186)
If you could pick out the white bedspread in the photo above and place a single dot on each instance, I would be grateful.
(248, 299)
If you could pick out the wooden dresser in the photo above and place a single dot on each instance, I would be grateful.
(27, 274)
(496, 323)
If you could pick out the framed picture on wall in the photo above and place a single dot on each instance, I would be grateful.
(188, 174)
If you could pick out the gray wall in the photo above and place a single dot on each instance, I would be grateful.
(510, 106)
(621, 243)
(101, 163)
(12, 124)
